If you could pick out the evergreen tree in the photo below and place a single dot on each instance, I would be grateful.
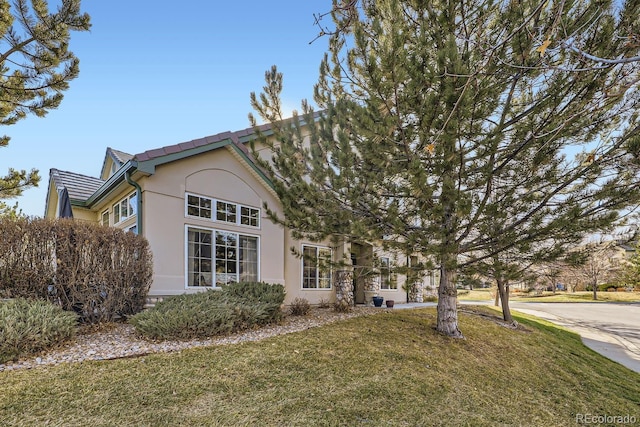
(35, 68)
(440, 119)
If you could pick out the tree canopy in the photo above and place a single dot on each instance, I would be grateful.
(463, 129)
(36, 66)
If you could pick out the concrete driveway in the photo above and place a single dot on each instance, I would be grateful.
(611, 329)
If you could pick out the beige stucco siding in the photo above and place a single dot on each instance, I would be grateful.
(217, 175)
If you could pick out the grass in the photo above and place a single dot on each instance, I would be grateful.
(489, 295)
(387, 369)
(580, 297)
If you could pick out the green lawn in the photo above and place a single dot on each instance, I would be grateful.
(386, 369)
(489, 295)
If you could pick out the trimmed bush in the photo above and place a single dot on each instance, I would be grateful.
(27, 327)
(98, 272)
(235, 307)
(299, 307)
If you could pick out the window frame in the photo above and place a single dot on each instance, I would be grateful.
(387, 275)
(213, 260)
(128, 203)
(223, 207)
(108, 214)
(318, 277)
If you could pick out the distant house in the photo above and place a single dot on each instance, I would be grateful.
(200, 204)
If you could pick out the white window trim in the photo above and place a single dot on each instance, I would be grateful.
(119, 204)
(213, 231)
(107, 212)
(214, 211)
(391, 281)
(302, 246)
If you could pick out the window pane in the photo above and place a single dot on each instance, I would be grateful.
(249, 216)
(199, 257)
(324, 268)
(226, 212)
(124, 211)
(199, 206)
(116, 213)
(226, 257)
(309, 270)
(248, 259)
(133, 204)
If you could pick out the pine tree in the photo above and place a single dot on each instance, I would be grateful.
(35, 68)
(441, 119)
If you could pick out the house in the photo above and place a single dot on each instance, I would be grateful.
(200, 204)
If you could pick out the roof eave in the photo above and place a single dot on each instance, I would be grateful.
(108, 186)
(149, 166)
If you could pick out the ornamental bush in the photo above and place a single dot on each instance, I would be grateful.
(98, 272)
(300, 307)
(235, 307)
(29, 326)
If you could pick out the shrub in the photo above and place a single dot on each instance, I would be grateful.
(342, 306)
(299, 307)
(324, 303)
(235, 307)
(98, 272)
(27, 327)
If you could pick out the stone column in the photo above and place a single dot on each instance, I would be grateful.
(416, 292)
(344, 288)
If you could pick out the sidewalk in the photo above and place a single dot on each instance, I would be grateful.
(610, 346)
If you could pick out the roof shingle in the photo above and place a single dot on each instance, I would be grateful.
(80, 187)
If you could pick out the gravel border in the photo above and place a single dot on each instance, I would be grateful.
(120, 340)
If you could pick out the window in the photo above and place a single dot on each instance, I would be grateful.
(199, 257)
(105, 218)
(387, 278)
(229, 212)
(249, 216)
(226, 212)
(116, 213)
(234, 256)
(316, 271)
(126, 208)
(199, 206)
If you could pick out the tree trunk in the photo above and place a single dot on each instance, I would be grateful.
(447, 322)
(503, 291)
(496, 302)
(595, 291)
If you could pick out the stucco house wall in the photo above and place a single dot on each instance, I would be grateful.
(157, 188)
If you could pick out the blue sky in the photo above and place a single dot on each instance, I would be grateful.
(155, 74)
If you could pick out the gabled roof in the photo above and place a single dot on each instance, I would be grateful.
(85, 190)
(80, 187)
(118, 157)
(238, 137)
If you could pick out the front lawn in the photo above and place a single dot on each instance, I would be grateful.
(386, 369)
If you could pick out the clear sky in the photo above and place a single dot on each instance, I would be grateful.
(160, 73)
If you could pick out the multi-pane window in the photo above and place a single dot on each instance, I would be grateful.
(248, 261)
(387, 277)
(125, 208)
(199, 257)
(233, 256)
(249, 216)
(226, 212)
(316, 267)
(229, 212)
(199, 206)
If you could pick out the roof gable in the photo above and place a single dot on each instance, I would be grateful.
(113, 160)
